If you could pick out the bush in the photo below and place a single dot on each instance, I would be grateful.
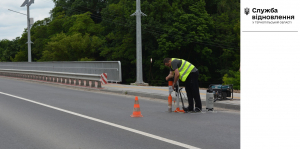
(232, 77)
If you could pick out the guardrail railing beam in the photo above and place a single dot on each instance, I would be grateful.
(87, 80)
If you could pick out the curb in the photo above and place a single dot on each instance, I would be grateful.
(216, 104)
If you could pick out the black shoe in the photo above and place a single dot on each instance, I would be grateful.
(197, 109)
(186, 110)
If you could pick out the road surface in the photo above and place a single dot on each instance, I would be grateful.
(37, 115)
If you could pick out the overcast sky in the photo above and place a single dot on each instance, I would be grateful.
(13, 24)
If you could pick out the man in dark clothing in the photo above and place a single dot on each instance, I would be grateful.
(188, 73)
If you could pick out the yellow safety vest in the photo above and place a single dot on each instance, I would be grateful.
(185, 69)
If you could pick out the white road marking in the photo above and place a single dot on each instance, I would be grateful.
(108, 123)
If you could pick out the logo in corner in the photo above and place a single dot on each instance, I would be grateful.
(247, 11)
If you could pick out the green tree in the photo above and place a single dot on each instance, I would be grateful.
(232, 77)
(204, 32)
(8, 49)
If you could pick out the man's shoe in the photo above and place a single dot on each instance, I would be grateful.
(197, 109)
(186, 110)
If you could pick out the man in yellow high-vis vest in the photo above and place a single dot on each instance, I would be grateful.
(188, 73)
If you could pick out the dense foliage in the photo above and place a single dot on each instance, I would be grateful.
(204, 32)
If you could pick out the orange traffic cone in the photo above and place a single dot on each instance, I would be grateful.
(136, 109)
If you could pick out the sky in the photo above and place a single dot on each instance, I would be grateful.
(12, 24)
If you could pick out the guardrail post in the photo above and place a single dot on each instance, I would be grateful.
(61, 80)
(90, 83)
(97, 84)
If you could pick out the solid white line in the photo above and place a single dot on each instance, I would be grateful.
(108, 123)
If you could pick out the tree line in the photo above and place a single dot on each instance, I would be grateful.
(203, 32)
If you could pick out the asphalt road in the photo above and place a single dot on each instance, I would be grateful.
(40, 116)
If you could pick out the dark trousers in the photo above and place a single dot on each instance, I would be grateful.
(192, 90)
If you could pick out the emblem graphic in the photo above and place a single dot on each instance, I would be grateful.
(247, 11)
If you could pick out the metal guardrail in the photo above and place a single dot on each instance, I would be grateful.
(90, 80)
(91, 77)
(84, 69)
